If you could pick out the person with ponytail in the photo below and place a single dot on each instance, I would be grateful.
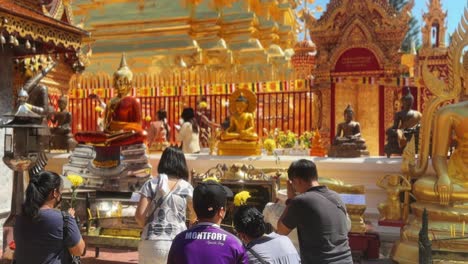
(262, 248)
(42, 233)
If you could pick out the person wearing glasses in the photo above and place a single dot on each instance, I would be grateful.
(42, 233)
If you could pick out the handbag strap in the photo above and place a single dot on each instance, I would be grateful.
(163, 198)
(65, 217)
(334, 201)
(262, 260)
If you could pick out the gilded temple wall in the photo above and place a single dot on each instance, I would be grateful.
(204, 45)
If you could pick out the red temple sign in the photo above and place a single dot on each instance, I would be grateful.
(357, 59)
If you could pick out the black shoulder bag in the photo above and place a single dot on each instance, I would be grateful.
(69, 258)
(262, 260)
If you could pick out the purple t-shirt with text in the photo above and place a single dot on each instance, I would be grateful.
(207, 243)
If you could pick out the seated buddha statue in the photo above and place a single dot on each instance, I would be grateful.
(451, 184)
(122, 116)
(348, 141)
(61, 136)
(242, 122)
(443, 194)
(405, 125)
(240, 137)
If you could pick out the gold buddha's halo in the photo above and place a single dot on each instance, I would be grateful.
(248, 94)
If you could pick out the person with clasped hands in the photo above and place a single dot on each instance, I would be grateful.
(42, 233)
(319, 216)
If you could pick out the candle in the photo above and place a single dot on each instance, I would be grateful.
(463, 229)
(90, 216)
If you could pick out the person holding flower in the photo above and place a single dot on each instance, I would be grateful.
(261, 247)
(42, 233)
(162, 208)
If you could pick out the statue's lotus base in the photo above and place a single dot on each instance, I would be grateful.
(239, 148)
(122, 169)
(347, 150)
(445, 230)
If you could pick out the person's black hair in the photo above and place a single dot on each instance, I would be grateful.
(38, 191)
(162, 116)
(249, 220)
(188, 115)
(303, 169)
(173, 163)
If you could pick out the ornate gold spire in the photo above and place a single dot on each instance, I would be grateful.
(434, 29)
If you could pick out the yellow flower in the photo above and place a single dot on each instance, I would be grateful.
(148, 118)
(269, 144)
(76, 180)
(98, 109)
(211, 179)
(203, 105)
(241, 198)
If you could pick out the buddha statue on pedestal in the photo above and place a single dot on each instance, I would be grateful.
(240, 137)
(405, 125)
(61, 135)
(444, 195)
(348, 142)
(122, 122)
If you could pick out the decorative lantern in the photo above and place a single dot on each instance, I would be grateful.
(22, 150)
(22, 141)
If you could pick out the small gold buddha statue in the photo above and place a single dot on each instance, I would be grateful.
(317, 148)
(393, 184)
(348, 141)
(242, 122)
(240, 137)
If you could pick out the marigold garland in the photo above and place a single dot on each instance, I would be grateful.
(241, 198)
(211, 179)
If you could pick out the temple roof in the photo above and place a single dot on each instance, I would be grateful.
(366, 24)
(21, 19)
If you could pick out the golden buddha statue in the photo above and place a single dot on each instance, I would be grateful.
(240, 137)
(122, 116)
(348, 141)
(317, 148)
(393, 184)
(444, 195)
(242, 122)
